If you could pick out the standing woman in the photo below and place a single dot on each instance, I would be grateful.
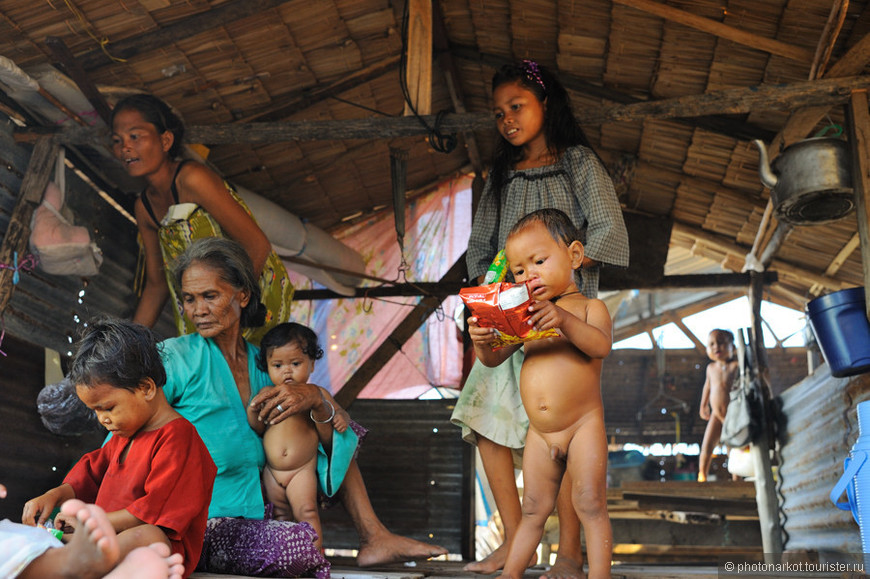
(542, 160)
(184, 200)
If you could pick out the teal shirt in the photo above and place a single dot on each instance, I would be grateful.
(201, 388)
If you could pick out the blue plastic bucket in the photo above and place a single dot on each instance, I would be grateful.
(839, 321)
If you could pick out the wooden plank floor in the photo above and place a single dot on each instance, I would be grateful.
(451, 569)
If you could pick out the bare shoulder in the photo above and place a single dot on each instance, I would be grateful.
(582, 306)
(196, 181)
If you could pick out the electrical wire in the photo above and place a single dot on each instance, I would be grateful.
(441, 142)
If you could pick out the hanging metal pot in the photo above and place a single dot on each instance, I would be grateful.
(810, 182)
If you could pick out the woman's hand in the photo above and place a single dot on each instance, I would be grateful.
(285, 400)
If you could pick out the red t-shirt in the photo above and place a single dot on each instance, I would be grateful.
(165, 480)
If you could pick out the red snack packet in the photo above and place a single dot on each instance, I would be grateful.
(505, 307)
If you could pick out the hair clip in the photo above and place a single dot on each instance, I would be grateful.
(530, 67)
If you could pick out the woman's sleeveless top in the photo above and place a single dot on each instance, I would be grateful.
(187, 222)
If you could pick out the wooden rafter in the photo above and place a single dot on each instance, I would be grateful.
(220, 15)
(802, 121)
(734, 101)
(721, 30)
(61, 53)
(283, 107)
(742, 100)
(650, 323)
(451, 79)
(828, 38)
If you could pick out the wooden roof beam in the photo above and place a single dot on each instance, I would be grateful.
(802, 121)
(741, 100)
(221, 15)
(828, 39)
(721, 30)
(454, 86)
(650, 323)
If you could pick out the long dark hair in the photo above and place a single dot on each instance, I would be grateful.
(156, 112)
(561, 129)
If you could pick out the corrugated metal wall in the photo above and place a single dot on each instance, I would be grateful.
(419, 474)
(821, 428)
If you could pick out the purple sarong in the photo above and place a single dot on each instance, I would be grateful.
(261, 548)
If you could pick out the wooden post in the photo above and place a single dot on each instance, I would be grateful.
(759, 451)
(18, 233)
(858, 124)
(418, 72)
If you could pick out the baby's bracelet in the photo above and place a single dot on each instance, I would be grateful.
(331, 416)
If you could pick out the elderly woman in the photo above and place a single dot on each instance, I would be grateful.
(212, 376)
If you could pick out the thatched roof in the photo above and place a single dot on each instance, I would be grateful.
(670, 94)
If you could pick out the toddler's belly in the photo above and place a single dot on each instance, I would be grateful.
(557, 394)
(290, 444)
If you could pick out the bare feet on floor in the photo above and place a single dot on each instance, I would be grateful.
(152, 562)
(565, 568)
(494, 561)
(388, 547)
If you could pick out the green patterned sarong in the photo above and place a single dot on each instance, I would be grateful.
(187, 222)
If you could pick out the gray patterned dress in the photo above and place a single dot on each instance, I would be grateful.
(579, 185)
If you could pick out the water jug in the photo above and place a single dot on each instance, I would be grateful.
(856, 479)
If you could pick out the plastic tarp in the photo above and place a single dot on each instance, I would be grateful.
(437, 229)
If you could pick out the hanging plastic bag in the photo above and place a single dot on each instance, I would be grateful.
(742, 424)
(62, 248)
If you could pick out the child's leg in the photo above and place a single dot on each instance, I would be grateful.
(587, 463)
(711, 439)
(541, 478)
(152, 562)
(141, 536)
(275, 494)
(301, 493)
(91, 553)
(569, 560)
(498, 464)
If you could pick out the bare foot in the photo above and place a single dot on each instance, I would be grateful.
(565, 568)
(491, 563)
(494, 561)
(387, 547)
(152, 562)
(92, 552)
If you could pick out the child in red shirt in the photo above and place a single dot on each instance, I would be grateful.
(156, 490)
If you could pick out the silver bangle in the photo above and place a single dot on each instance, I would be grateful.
(331, 416)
